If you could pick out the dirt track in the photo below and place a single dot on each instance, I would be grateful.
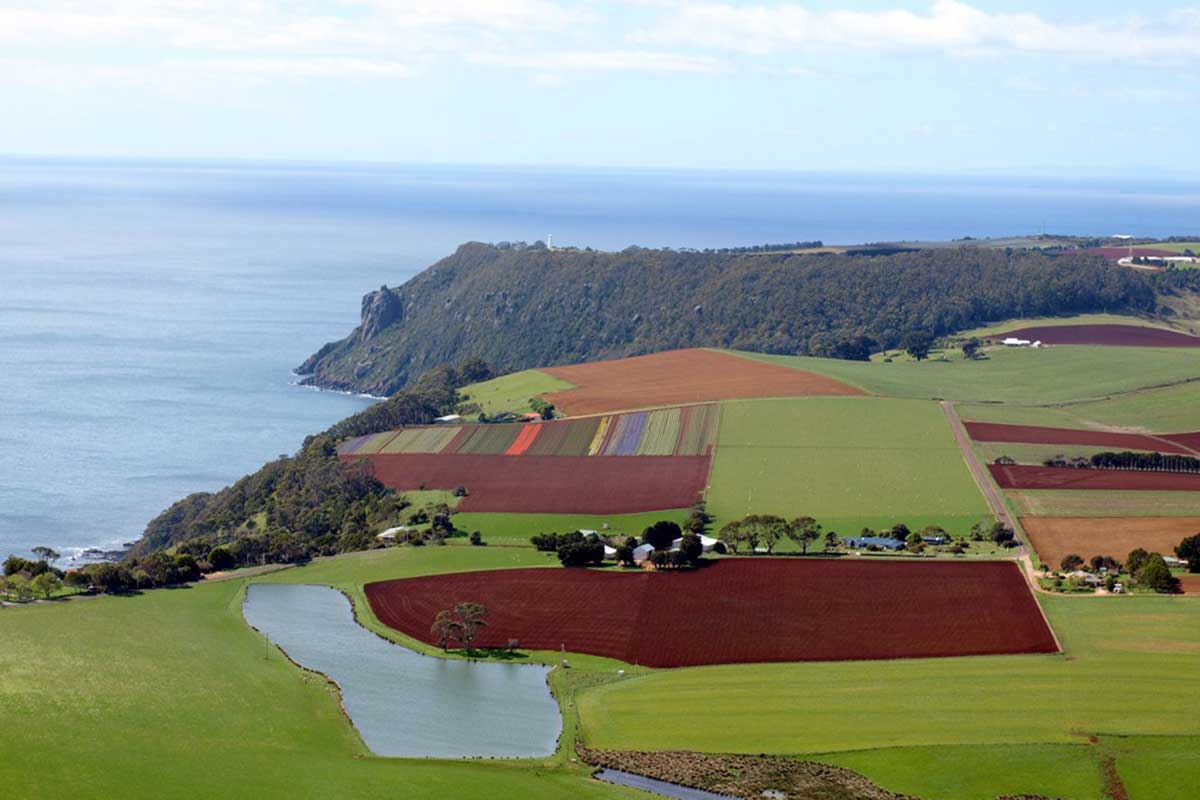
(679, 377)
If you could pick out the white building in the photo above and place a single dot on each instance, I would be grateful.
(642, 552)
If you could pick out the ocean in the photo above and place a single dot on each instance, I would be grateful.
(151, 313)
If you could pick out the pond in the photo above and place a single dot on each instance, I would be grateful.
(404, 703)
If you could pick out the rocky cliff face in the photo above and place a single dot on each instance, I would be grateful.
(528, 307)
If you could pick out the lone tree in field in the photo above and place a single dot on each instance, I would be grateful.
(1189, 551)
(461, 622)
(917, 344)
(802, 531)
(970, 347)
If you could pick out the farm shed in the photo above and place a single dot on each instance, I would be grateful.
(707, 542)
(609, 553)
(642, 552)
(449, 418)
(391, 533)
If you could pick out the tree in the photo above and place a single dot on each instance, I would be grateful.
(1189, 551)
(900, 532)
(831, 540)
(625, 555)
(731, 535)
(582, 553)
(803, 530)
(471, 617)
(17, 585)
(221, 559)
(1001, 534)
(661, 534)
(970, 348)
(476, 539)
(914, 542)
(445, 627)
(1155, 574)
(1106, 563)
(46, 584)
(690, 549)
(1135, 560)
(917, 343)
(1071, 562)
(47, 554)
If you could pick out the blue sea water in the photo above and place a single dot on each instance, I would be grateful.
(150, 313)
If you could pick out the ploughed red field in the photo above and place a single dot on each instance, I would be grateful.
(1112, 335)
(551, 484)
(1033, 434)
(1025, 476)
(1117, 253)
(744, 610)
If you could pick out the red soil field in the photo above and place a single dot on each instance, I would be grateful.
(998, 432)
(1055, 537)
(1189, 440)
(744, 610)
(1112, 335)
(678, 377)
(1189, 584)
(1022, 476)
(1117, 253)
(551, 484)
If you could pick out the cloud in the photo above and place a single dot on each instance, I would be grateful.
(948, 26)
(599, 61)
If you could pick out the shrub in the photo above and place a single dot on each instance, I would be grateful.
(476, 538)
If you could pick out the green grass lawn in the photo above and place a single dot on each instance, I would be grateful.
(1172, 409)
(1177, 247)
(513, 392)
(1013, 375)
(170, 695)
(1128, 670)
(517, 528)
(848, 462)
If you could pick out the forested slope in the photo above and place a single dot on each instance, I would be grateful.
(529, 307)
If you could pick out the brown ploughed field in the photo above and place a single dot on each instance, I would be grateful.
(1113, 335)
(1025, 476)
(678, 377)
(551, 484)
(744, 610)
(1189, 584)
(1033, 434)
(1055, 537)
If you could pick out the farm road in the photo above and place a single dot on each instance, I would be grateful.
(994, 501)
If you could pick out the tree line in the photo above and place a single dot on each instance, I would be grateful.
(1147, 462)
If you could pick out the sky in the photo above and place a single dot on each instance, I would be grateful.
(879, 86)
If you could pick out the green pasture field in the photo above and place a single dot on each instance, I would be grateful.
(848, 462)
(1010, 374)
(169, 694)
(1127, 671)
(1170, 409)
(1067, 503)
(513, 392)
(517, 528)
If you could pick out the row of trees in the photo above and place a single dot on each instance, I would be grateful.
(1150, 462)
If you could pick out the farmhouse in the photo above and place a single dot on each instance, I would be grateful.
(878, 542)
